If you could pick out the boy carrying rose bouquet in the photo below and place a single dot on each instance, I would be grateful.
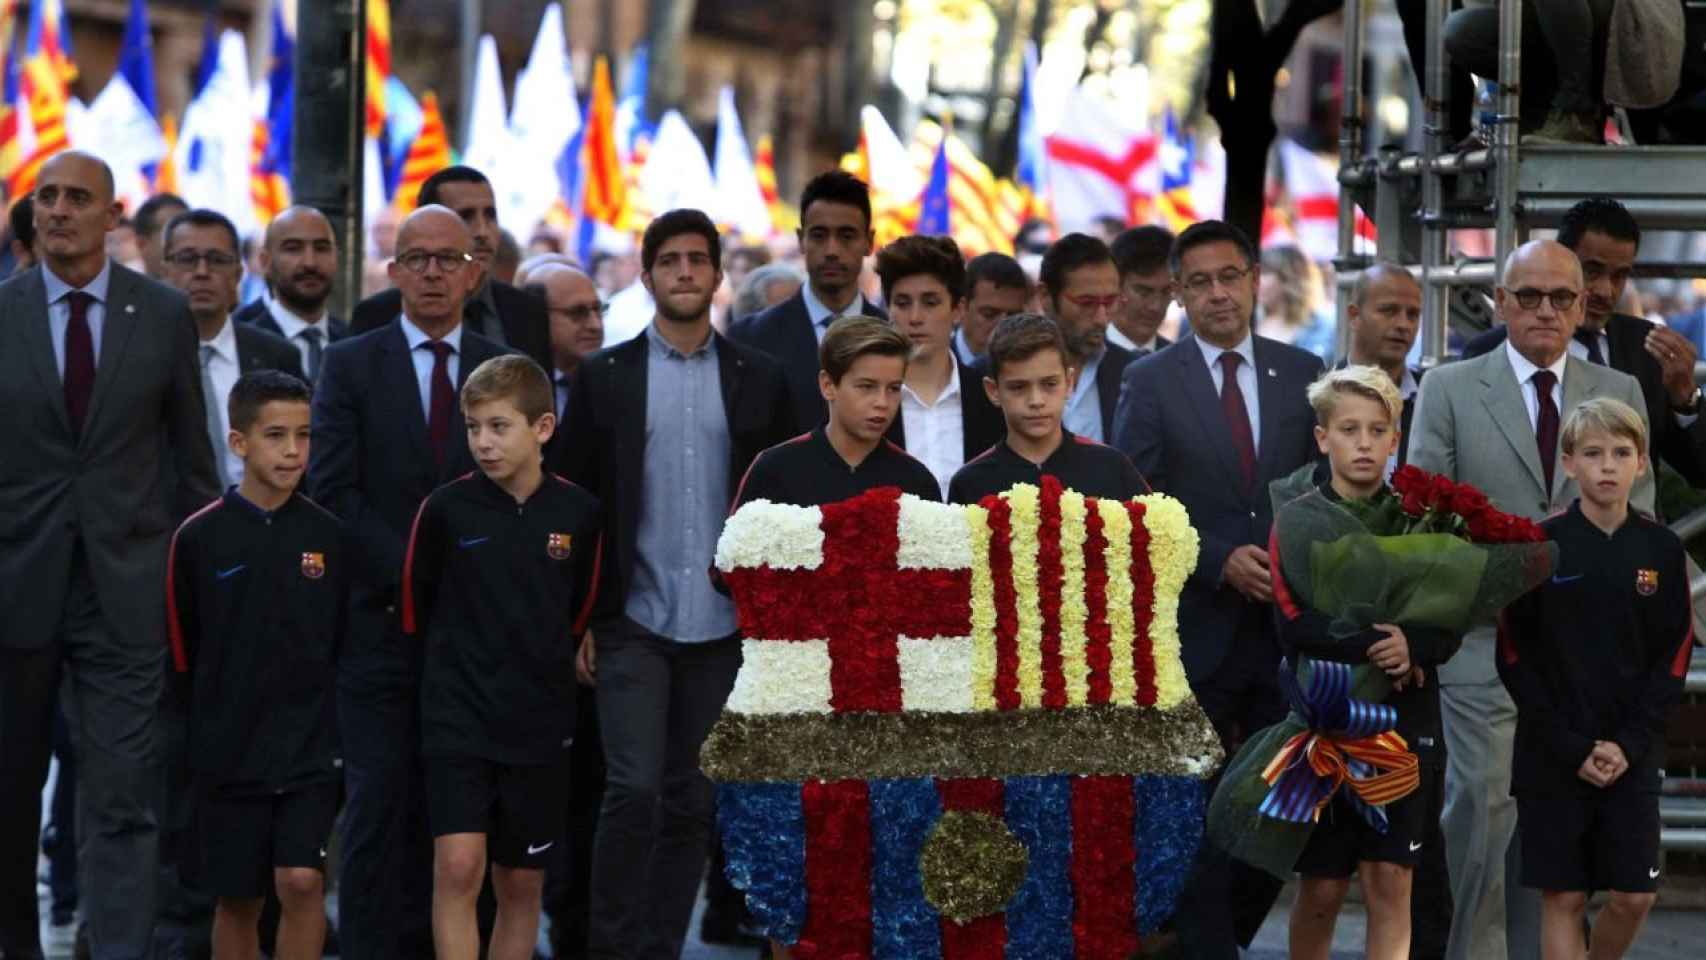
(1373, 587)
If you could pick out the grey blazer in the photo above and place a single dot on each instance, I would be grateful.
(1471, 424)
(111, 487)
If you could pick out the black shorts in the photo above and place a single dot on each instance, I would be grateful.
(238, 841)
(522, 810)
(1343, 839)
(1581, 837)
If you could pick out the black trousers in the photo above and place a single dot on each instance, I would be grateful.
(568, 881)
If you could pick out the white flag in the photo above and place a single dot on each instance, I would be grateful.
(1099, 165)
(491, 148)
(677, 173)
(212, 156)
(741, 200)
(544, 118)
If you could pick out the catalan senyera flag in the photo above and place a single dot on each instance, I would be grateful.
(428, 154)
(605, 199)
(378, 63)
(1176, 201)
(14, 112)
(985, 214)
(783, 217)
(47, 74)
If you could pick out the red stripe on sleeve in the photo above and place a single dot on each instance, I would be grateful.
(838, 869)
(1282, 591)
(174, 623)
(409, 624)
(1684, 651)
(591, 589)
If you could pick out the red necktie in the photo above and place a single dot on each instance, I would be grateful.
(443, 405)
(1237, 417)
(1546, 423)
(79, 376)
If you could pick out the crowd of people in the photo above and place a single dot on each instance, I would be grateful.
(422, 592)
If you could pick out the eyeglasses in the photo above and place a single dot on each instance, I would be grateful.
(1096, 303)
(582, 312)
(1202, 284)
(1529, 298)
(449, 261)
(188, 259)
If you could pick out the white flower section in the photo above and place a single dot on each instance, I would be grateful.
(933, 536)
(776, 535)
(782, 676)
(936, 674)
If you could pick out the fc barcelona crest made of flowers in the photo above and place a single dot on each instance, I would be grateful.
(961, 731)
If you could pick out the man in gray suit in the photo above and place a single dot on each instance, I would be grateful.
(99, 380)
(1493, 422)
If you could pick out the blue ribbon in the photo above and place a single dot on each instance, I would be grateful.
(1327, 708)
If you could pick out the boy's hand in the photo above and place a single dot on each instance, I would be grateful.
(1591, 772)
(1609, 758)
(1417, 678)
(586, 661)
(1392, 652)
(1247, 571)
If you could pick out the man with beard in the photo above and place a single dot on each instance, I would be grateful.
(299, 258)
(1082, 294)
(494, 310)
(1605, 238)
(662, 428)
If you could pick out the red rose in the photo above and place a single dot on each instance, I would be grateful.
(1408, 478)
(1466, 501)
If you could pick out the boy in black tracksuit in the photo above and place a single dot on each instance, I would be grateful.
(498, 580)
(1594, 658)
(1357, 411)
(255, 584)
(1029, 380)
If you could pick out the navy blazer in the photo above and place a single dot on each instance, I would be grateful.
(981, 422)
(785, 333)
(526, 325)
(255, 313)
(1169, 423)
(258, 349)
(1109, 382)
(605, 440)
(371, 463)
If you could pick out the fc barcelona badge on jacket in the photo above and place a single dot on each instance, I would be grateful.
(313, 565)
(1646, 582)
(557, 546)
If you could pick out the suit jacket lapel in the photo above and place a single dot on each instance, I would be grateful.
(1504, 403)
(630, 386)
(1198, 386)
(29, 299)
(399, 370)
(1270, 398)
(731, 370)
(116, 328)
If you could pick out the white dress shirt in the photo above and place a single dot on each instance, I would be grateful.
(222, 371)
(423, 359)
(59, 310)
(935, 432)
(1579, 350)
(962, 349)
(291, 326)
(821, 315)
(1083, 414)
(1525, 371)
(1246, 380)
(1119, 339)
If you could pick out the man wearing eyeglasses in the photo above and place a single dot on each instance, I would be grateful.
(577, 323)
(1141, 254)
(387, 431)
(1493, 421)
(1212, 420)
(1081, 288)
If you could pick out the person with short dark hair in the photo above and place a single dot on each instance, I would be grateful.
(1029, 380)
(255, 592)
(663, 427)
(506, 258)
(1141, 256)
(944, 418)
(835, 236)
(150, 219)
(863, 365)
(21, 233)
(299, 257)
(498, 584)
(996, 288)
(1081, 288)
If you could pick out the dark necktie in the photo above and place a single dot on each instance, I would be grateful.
(562, 383)
(443, 405)
(1590, 339)
(1237, 417)
(79, 376)
(1546, 423)
(315, 338)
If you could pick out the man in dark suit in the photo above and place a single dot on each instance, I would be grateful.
(835, 237)
(996, 288)
(496, 311)
(104, 436)
(1605, 238)
(387, 431)
(1146, 284)
(663, 427)
(299, 258)
(1212, 420)
(1081, 292)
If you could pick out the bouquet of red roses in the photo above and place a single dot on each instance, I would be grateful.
(1436, 504)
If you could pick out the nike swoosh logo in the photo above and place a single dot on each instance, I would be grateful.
(1414, 847)
(531, 849)
(1652, 874)
(227, 574)
(322, 853)
(467, 542)
(1561, 580)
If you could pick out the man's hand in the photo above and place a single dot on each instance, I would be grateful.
(586, 661)
(1676, 356)
(1609, 758)
(1391, 653)
(1247, 571)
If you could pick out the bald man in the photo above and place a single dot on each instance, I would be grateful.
(103, 450)
(577, 321)
(1493, 422)
(299, 258)
(387, 431)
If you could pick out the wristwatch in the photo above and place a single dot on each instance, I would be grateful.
(1692, 408)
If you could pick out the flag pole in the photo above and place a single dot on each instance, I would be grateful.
(329, 116)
